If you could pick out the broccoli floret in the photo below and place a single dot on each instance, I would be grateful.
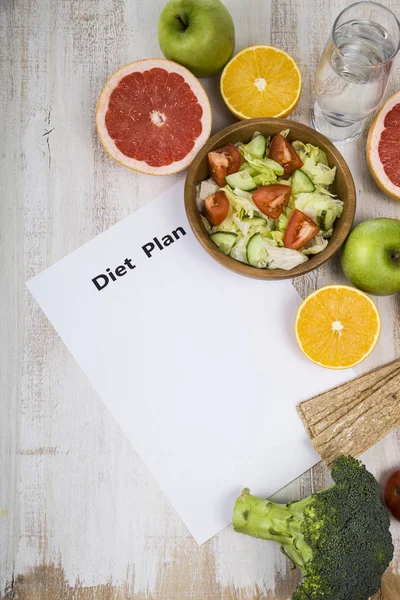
(338, 537)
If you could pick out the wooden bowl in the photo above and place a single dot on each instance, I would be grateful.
(343, 187)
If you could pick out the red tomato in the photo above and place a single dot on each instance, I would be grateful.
(300, 230)
(216, 207)
(272, 199)
(283, 153)
(391, 494)
(224, 161)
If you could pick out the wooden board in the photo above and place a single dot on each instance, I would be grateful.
(80, 517)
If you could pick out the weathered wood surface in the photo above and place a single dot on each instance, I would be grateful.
(80, 517)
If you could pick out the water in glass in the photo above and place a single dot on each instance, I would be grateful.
(351, 79)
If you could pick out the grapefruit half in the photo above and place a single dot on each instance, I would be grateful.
(383, 147)
(153, 116)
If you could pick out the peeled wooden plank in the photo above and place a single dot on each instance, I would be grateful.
(351, 418)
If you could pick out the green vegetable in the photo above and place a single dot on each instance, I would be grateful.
(264, 166)
(242, 180)
(321, 208)
(308, 150)
(339, 537)
(283, 219)
(321, 220)
(277, 237)
(316, 245)
(249, 227)
(283, 258)
(256, 253)
(206, 224)
(264, 178)
(323, 190)
(315, 163)
(224, 240)
(240, 201)
(319, 173)
(255, 221)
(238, 251)
(256, 147)
(246, 167)
(301, 182)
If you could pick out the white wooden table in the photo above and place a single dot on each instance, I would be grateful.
(80, 516)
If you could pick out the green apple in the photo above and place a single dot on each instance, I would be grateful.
(371, 256)
(198, 34)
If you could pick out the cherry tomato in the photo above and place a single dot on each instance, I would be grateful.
(272, 199)
(283, 153)
(224, 161)
(300, 230)
(216, 207)
(391, 494)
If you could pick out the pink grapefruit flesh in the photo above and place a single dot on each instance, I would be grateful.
(383, 147)
(153, 116)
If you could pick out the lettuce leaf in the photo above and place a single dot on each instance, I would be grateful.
(315, 163)
(265, 166)
(249, 227)
(238, 251)
(203, 190)
(285, 132)
(313, 152)
(316, 245)
(318, 173)
(241, 202)
(283, 258)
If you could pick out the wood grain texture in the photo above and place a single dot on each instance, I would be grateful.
(80, 517)
(243, 131)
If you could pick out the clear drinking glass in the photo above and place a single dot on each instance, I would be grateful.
(354, 69)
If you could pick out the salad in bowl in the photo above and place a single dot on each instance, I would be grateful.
(267, 203)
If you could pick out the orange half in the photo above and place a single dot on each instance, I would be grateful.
(261, 81)
(337, 326)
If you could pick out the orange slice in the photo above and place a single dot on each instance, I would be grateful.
(261, 81)
(337, 326)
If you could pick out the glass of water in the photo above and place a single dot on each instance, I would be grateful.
(354, 69)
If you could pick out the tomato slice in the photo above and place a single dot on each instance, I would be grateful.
(391, 494)
(300, 230)
(224, 161)
(272, 199)
(282, 152)
(216, 207)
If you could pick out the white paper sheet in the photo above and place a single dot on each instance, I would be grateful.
(198, 365)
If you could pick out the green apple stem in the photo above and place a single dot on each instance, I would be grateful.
(182, 22)
(395, 258)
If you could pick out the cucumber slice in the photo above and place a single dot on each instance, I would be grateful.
(301, 182)
(257, 146)
(321, 220)
(245, 166)
(224, 240)
(242, 180)
(256, 253)
(255, 221)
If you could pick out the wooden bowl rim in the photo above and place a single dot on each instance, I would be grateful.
(342, 228)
